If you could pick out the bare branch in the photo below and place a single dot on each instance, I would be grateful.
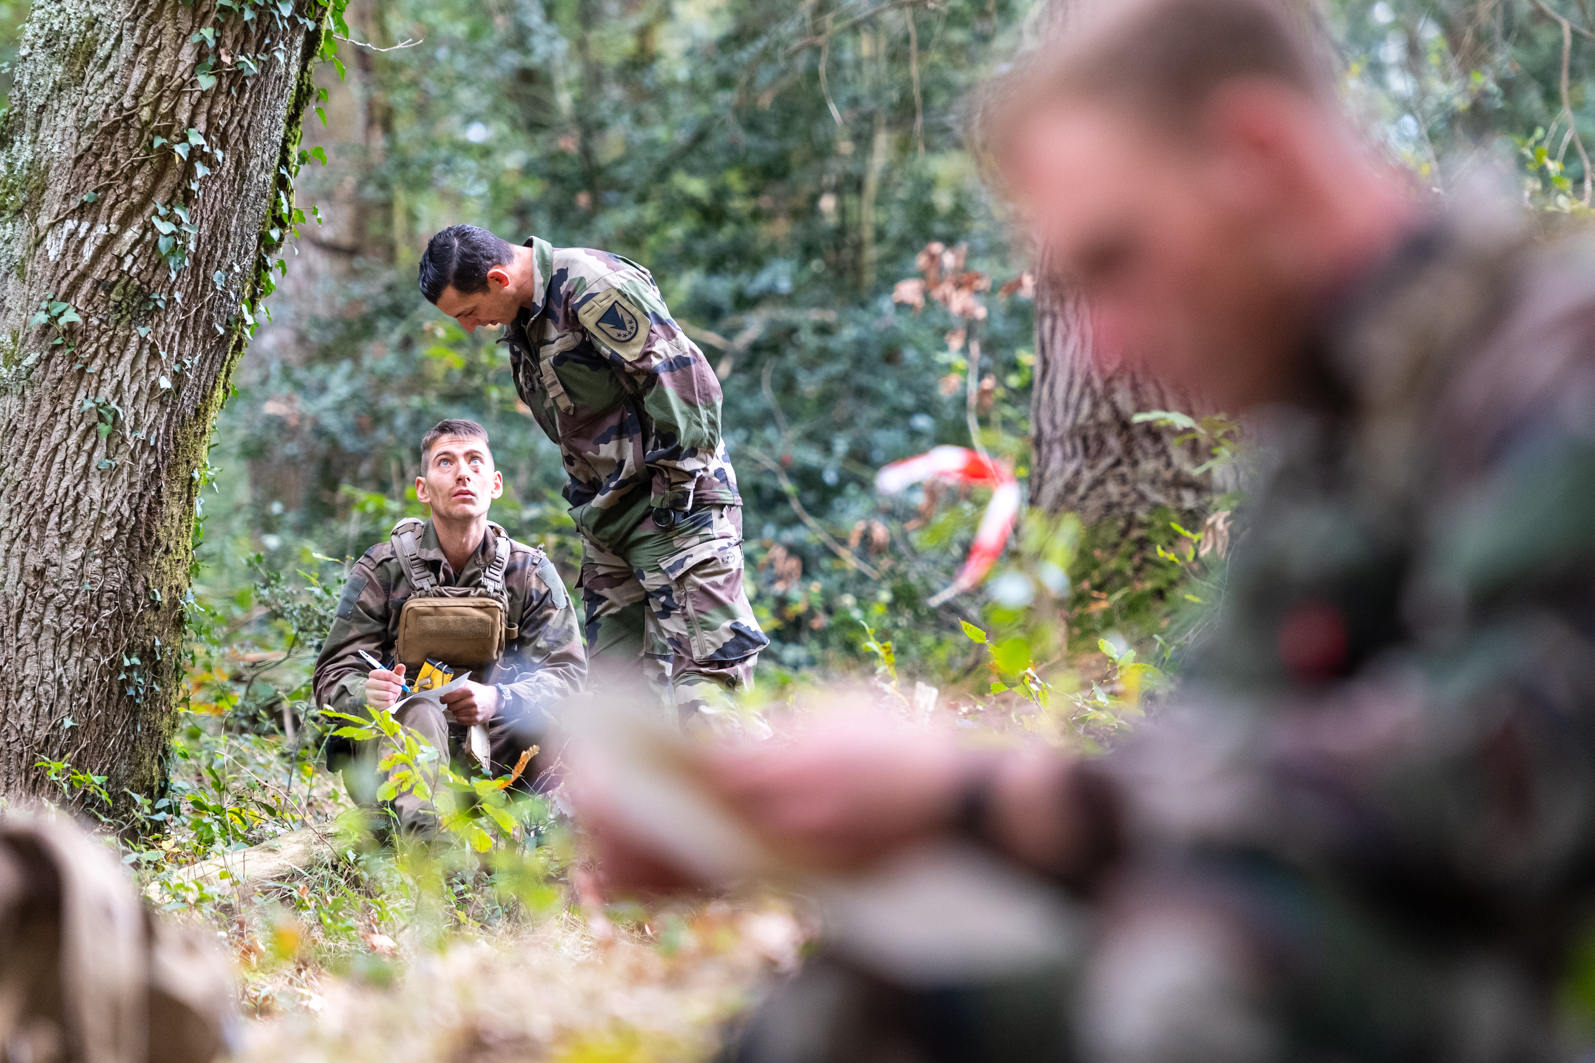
(406, 43)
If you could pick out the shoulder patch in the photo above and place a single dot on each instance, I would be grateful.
(614, 320)
(352, 591)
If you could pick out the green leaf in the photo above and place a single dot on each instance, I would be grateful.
(89, 197)
(998, 688)
(162, 226)
(1012, 655)
(319, 154)
(165, 383)
(196, 137)
(219, 278)
(69, 317)
(974, 633)
(321, 113)
(207, 81)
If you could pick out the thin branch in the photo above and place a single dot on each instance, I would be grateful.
(833, 29)
(913, 73)
(825, 57)
(406, 43)
(815, 526)
(972, 393)
(1567, 103)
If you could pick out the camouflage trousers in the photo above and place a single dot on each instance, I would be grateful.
(668, 606)
(414, 815)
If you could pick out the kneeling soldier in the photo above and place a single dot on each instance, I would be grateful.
(457, 590)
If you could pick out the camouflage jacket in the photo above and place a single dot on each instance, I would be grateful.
(1397, 697)
(613, 380)
(543, 665)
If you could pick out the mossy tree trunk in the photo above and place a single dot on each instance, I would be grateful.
(1090, 457)
(146, 172)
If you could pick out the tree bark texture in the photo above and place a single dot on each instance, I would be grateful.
(1089, 457)
(146, 171)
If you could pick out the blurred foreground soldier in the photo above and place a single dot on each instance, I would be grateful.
(87, 973)
(635, 409)
(1367, 829)
(455, 590)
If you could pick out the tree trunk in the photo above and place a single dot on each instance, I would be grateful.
(145, 187)
(1089, 457)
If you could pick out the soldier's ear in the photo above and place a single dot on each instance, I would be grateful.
(420, 491)
(498, 484)
(499, 276)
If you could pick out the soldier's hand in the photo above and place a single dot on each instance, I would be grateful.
(473, 703)
(846, 792)
(384, 688)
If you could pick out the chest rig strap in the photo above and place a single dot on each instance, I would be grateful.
(406, 543)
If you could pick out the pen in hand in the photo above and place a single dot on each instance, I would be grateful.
(376, 664)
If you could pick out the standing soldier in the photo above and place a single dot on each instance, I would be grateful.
(635, 409)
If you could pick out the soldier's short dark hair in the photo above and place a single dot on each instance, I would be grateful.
(450, 428)
(460, 256)
(1162, 58)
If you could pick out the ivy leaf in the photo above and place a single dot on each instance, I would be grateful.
(165, 383)
(220, 280)
(105, 463)
(181, 149)
(89, 197)
(200, 169)
(165, 228)
(319, 153)
(165, 244)
(160, 142)
(103, 428)
(196, 137)
(207, 81)
(38, 319)
(143, 331)
(181, 211)
(70, 317)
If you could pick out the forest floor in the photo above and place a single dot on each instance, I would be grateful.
(661, 990)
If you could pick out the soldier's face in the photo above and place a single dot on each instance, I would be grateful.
(460, 482)
(495, 305)
(1182, 247)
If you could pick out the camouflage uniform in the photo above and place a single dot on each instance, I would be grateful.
(635, 409)
(542, 666)
(1367, 829)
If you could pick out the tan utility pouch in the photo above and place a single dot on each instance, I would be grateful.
(464, 627)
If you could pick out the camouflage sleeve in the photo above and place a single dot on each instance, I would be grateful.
(627, 316)
(546, 662)
(361, 623)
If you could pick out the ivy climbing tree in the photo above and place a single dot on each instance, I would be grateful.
(146, 194)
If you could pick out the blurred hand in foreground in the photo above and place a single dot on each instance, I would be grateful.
(847, 792)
